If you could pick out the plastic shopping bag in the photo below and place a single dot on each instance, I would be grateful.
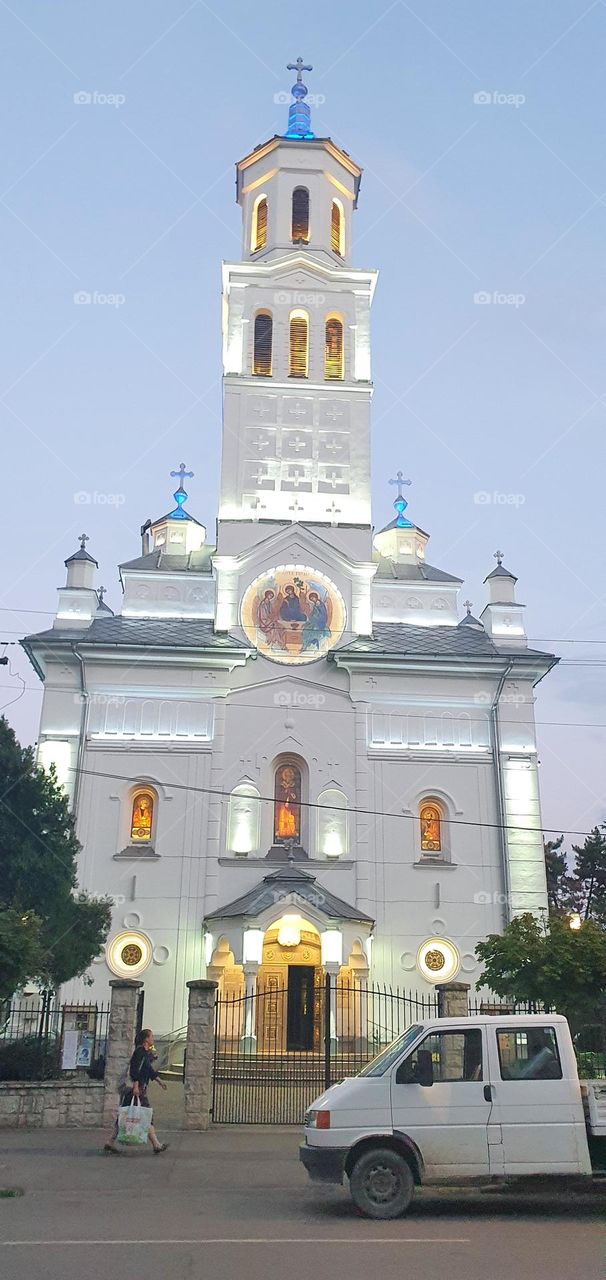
(133, 1124)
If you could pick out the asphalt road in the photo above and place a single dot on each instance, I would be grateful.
(236, 1201)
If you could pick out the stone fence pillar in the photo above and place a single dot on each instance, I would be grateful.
(199, 1053)
(120, 1039)
(453, 999)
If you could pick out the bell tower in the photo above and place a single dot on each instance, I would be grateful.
(296, 345)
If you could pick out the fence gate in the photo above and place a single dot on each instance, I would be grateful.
(277, 1049)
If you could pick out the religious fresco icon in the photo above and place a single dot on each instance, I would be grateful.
(293, 613)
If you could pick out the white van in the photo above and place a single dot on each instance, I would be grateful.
(456, 1098)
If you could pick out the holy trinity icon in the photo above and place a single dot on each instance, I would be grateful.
(293, 614)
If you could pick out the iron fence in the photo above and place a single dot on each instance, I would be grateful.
(41, 1039)
(589, 1041)
(279, 1048)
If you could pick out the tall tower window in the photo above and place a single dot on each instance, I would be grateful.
(142, 817)
(298, 352)
(333, 349)
(300, 215)
(258, 238)
(337, 228)
(262, 344)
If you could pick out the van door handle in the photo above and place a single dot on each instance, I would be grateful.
(488, 1092)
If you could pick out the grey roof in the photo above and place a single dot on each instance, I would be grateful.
(81, 555)
(393, 524)
(195, 562)
(470, 621)
(149, 633)
(395, 639)
(419, 572)
(278, 886)
(500, 572)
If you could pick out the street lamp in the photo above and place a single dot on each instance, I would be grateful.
(574, 920)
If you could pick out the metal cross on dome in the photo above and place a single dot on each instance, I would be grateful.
(400, 502)
(468, 605)
(498, 556)
(180, 495)
(299, 66)
(83, 539)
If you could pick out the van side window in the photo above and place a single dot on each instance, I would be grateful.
(456, 1055)
(529, 1053)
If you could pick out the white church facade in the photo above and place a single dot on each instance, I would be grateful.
(289, 754)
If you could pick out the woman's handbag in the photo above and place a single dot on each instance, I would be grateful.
(133, 1124)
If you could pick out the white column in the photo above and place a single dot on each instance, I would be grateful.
(249, 1039)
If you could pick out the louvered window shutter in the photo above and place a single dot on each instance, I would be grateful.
(300, 214)
(262, 344)
(333, 350)
(336, 228)
(298, 347)
(261, 225)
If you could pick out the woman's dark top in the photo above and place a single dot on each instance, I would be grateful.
(140, 1071)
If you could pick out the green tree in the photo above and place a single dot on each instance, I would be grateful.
(560, 888)
(20, 953)
(551, 964)
(590, 875)
(38, 870)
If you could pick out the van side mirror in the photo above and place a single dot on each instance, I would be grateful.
(418, 1070)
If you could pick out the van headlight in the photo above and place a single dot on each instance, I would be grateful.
(317, 1119)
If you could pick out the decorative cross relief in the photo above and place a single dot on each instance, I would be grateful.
(297, 410)
(296, 507)
(260, 442)
(333, 478)
(257, 506)
(297, 443)
(261, 409)
(333, 446)
(371, 681)
(296, 476)
(333, 415)
(333, 510)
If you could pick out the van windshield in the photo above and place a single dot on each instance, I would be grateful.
(387, 1057)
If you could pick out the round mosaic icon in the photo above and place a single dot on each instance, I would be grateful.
(293, 614)
(131, 954)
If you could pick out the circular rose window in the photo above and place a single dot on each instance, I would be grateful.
(293, 613)
(129, 953)
(438, 960)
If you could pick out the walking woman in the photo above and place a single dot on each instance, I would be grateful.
(140, 1072)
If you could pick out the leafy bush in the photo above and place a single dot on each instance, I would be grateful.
(29, 1059)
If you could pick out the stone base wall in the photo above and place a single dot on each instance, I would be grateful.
(51, 1104)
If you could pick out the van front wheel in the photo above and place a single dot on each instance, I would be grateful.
(381, 1183)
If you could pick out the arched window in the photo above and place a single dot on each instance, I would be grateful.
(337, 228)
(142, 817)
(287, 803)
(332, 823)
(298, 352)
(244, 819)
(258, 238)
(262, 344)
(430, 820)
(333, 349)
(299, 230)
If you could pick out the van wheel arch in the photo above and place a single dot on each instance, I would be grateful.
(399, 1142)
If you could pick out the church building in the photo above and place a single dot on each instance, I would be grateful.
(290, 753)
